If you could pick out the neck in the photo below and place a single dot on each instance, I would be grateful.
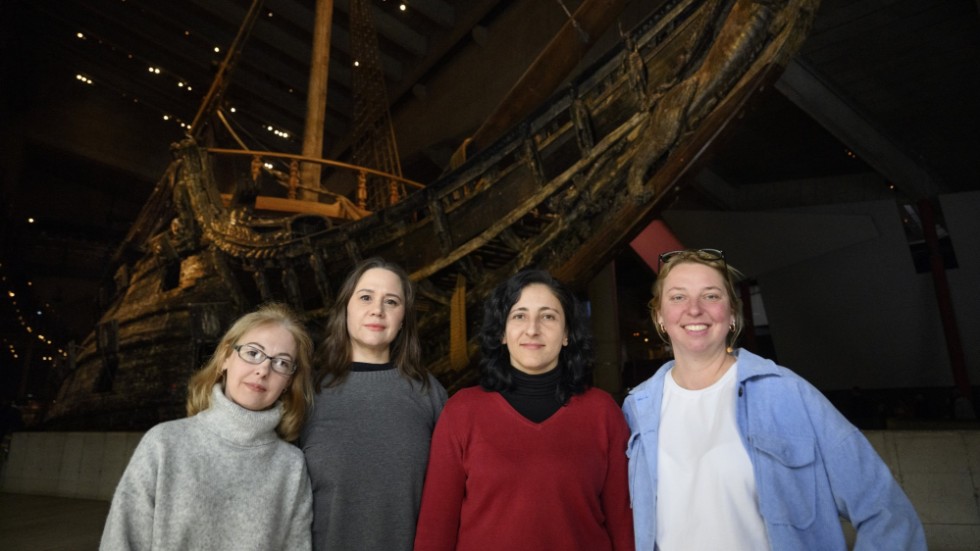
(371, 356)
(697, 372)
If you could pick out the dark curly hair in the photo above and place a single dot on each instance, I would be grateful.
(335, 352)
(575, 361)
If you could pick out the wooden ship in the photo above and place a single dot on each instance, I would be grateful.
(565, 188)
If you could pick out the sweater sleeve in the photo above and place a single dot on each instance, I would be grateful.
(615, 492)
(865, 491)
(442, 493)
(129, 524)
(300, 532)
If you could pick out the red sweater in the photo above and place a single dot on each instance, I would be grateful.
(496, 480)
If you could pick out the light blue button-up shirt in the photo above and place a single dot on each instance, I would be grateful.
(812, 467)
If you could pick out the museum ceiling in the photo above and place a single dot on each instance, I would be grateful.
(95, 91)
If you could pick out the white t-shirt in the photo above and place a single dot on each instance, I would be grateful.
(706, 494)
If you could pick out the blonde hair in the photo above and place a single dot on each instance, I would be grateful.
(710, 259)
(297, 399)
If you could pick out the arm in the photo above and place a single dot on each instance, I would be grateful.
(615, 492)
(300, 532)
(642, 487)
(865, 491)
(129, 524)
(442, 494)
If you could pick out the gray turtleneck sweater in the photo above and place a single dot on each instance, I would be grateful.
(222, 479)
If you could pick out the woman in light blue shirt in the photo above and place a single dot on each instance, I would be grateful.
(730, 451)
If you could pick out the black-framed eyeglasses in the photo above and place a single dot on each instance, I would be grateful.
(255, 356)
(703, 254)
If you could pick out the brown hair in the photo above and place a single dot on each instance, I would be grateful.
(335, 354)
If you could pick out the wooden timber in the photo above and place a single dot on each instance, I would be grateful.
(564, 190)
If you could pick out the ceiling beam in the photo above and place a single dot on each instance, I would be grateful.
(801, 84)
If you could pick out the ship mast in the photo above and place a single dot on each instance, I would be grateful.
(316, 98)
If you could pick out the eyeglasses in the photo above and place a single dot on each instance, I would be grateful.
(254, 356)
(703, 254)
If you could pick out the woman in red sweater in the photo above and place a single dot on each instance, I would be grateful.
(534, 458)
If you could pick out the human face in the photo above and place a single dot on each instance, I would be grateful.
(374, 315)
(695, 309)
(535, 330)
(257, 387)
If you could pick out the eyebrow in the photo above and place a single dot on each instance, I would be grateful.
(257, 345)
(682, 288)
(541, 309)
(372, 291)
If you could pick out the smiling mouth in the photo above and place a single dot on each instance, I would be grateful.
(255, 387)
(696, 327)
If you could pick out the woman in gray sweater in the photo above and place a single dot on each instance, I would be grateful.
(367, 439)
(226, 477)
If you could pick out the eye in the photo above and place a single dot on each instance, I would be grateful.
(550, 317)
(392, 302)
(364, 298)
(252, 354)
(282, 364)
(712, 297)
(675, 298)
(517, 316)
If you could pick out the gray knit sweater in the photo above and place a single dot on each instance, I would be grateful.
(221, 479)
(367, 447)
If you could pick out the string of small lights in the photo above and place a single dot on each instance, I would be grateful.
(89, 78)
(37, 321)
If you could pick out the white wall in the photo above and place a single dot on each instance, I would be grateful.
(845, 305)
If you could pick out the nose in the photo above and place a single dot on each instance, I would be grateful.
(263, 367)
(694, 306)
(532, 326)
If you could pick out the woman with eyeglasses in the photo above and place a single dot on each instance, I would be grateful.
(535, 457)
(227, 476)
(367, 439)
(730, 451)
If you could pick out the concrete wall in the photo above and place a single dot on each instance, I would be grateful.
(68, 464)
(939, 470)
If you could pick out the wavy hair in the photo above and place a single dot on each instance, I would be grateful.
(298, 398)
(335, 354)
(575, 361)
(728, 274)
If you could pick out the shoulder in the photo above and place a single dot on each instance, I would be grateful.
(436, 390)
(764, 372)
(597, 398)
(167, 432)
(291, 454)
(653, 383)
(469, 398)
(597, 404)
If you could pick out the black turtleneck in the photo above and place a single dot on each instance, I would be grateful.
(362, 366)
(533, 396)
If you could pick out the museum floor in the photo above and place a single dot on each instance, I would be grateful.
(43, 523)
